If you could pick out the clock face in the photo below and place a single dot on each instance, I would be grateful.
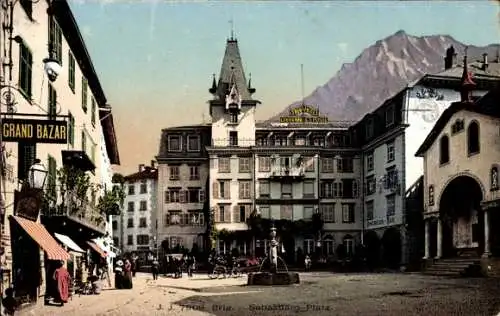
(429, 110)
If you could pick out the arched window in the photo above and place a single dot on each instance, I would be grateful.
(308, 246)
(328, 245)
(444, 150)
(473, 138)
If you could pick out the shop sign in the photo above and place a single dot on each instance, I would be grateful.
(304, 114)
(35, 131)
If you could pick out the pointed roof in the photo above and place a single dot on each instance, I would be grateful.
(232, 72)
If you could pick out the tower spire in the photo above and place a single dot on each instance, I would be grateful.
(302, 82)
(467, 84)
(231, 23)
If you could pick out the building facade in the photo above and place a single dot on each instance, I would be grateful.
(75, 95)
(134, 229)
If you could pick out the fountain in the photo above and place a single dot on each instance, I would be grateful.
(273, 276)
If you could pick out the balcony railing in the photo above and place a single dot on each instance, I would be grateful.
(287, 172)
(79, 210)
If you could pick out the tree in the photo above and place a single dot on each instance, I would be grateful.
(118, 178)
(112, 201)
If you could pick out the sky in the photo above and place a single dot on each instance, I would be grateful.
(155, 59)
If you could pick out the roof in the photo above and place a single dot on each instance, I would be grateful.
(187, 127)
(147, 173)
(492, 72)
(73, 36)
(232, 72)
(487, 105)
(311, 126)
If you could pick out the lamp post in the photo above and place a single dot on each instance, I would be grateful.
(37, 174)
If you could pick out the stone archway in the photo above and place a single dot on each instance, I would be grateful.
(461, 216)
(372, 248)
(391, 248)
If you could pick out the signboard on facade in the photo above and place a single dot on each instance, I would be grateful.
(304, 114)
(36, 131)
(27, 203)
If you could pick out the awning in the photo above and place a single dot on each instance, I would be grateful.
(97, 249)
(106, 249)
(42, 237)
(68, 242)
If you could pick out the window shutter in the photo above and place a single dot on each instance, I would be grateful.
(227, 190)
(248, 210)
(215, 190)
(202, 196)
(182, 196)
(216, 214)
(227, 214)
(241, 192)
(236, 213)
(167, 197)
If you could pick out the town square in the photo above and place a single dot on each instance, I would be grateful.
(249, 158)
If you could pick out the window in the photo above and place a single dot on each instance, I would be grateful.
(84, 141)
(390, 201)
(369, 129)
(286, 212)
(224, 164)
(473, 138)
(355, 189)
(242, 213)
(55, 38)
(142, 240)
(369, 161)
(25, 70)
(130, 223)
(174, 196)
(143, 223)
(444, 150)
(130, 240)
(176, 242)
(244, 164)
(369, 210)
(348, 212)
(286, 190)
(26, 158)
(326, 189)
(233, 119)
(265, 211)
(244, 189)
(52, 178)
(308, 189)
(196, 219)
(222, 213)
(390, 151)
(338, 189)
(264, 189)
(71, 129)
(193, 143)
(233, 138)
(194, 173)
(115, 225)
(349, 245)
(308, 212)
(224, 189)
(309, 162)
(143, 206)
(328, 245)
(84, 94)
(285, 162)
(175, 218)
(431, 195)
(327, 212)
(195, 195)
(308, 246)
(327, 165)
(130, 207)
(52, 103)
(131, 189)
(371, 185)
(389, 116)
(174, 143)
(300, 141)
(391, 178)
(264, 164)
(143, 187)
(93, 109)
(345, 165)
(174, 173)
(71, 71)
(457, 127)
(28, 7)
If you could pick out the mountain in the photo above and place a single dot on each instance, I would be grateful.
(382, 70)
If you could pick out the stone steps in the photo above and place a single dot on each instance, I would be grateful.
(452, 267)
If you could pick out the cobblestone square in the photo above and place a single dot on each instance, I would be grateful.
(318, 294)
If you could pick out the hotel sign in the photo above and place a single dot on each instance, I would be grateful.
(36, 131)
(304, 114)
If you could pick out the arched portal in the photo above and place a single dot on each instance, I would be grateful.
(391, 248)
(372, 248)
(461, 217)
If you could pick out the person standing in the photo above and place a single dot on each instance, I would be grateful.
(190, 263)
(63, 279)
(9, 302)
(127, 277)
(155, 268)
(134, 264)
(119, 275)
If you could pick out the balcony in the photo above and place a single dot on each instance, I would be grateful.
(287, 174)
(79, 211)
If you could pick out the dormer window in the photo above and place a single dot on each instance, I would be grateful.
(389, 116)
(233, 118)
(369, 128)
(444, 150)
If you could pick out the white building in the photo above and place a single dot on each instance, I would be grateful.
(134, 230)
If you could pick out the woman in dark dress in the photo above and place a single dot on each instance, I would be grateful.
(127, 278)
(119, 274)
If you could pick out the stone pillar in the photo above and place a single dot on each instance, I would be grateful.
(427, 239)
(439, 238)
(486, 235)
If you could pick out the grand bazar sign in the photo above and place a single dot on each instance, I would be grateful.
(36, 131)
(304, 114)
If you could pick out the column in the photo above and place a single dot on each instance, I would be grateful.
(486, 235)
(439, 238)
(427, 239)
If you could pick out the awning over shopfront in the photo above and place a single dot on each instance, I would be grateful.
(97, 249)
(68, 242)
(42, 237)
(106, 249)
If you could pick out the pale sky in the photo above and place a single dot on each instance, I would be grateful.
(155, 59)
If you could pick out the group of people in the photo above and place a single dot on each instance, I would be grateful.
(123, 274)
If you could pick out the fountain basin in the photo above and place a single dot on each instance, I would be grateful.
(278, 278)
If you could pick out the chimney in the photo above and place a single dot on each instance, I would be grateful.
(153, 164)
(141, 167)
(449, 59)
(485, 62)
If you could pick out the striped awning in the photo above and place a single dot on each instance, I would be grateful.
(42, 237)
(97, 249)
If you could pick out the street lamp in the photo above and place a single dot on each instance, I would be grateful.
(37, 174)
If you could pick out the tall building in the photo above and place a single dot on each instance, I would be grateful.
(134, 229)
(34, 31)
